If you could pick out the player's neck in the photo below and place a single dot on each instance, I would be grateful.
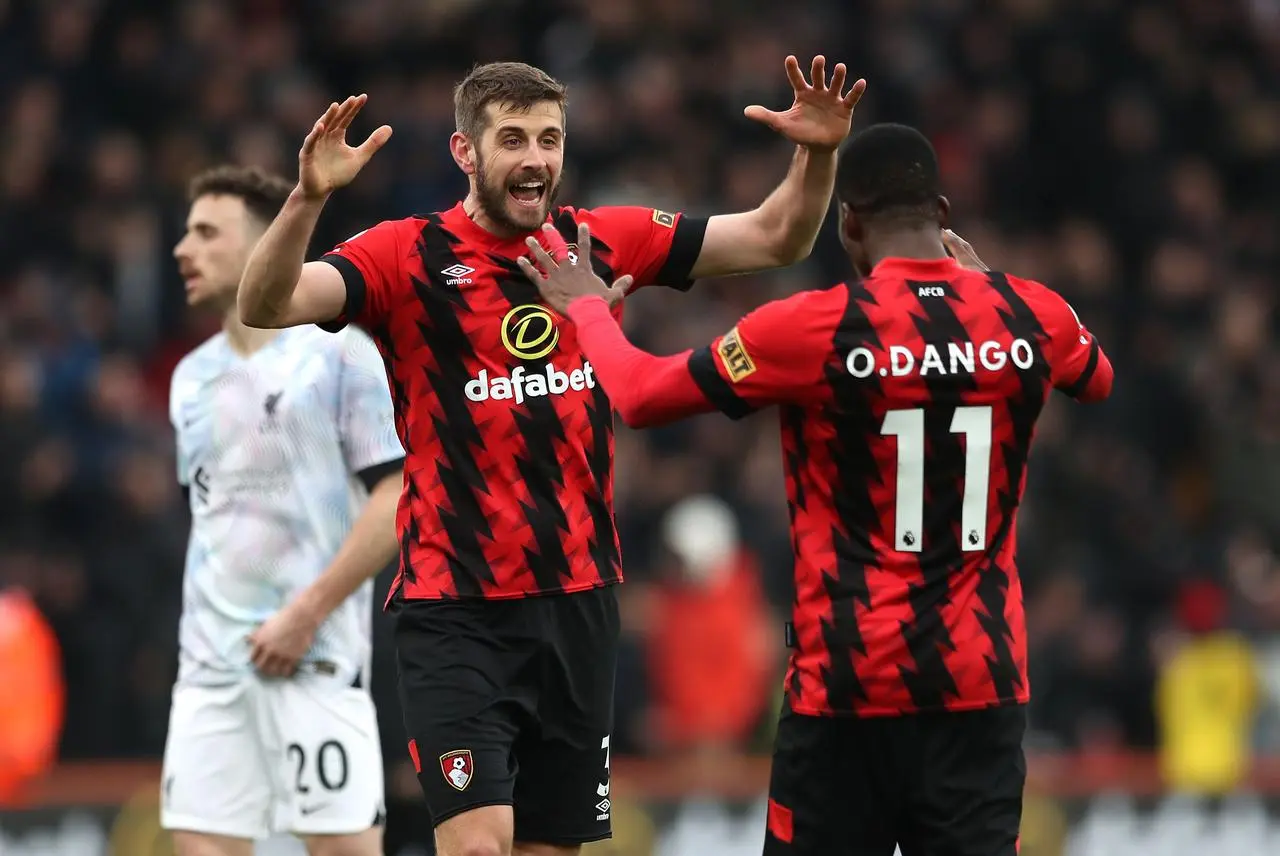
(244, 340)
(920, 245)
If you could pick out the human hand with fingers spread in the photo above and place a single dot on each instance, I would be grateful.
(568, 277)
(822, 112)
(326, 161)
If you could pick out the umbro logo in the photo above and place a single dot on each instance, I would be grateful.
(271, 402)
(458, 274)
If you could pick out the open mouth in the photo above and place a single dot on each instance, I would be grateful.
(528, 193)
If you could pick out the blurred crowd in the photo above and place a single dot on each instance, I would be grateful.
(1127, 153)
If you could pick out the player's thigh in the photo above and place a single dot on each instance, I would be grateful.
(328, 757)
(202, 844)
(562, 789)
(215, 779)
(830, 793)
(967, 797)
(465, 672)
(562, 792)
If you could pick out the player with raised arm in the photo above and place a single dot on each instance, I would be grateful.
(288, 456)
(908, 400)
(507, 627)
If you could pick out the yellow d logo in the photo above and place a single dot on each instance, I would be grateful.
(529, 332)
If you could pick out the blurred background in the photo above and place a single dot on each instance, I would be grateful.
(1125, 152)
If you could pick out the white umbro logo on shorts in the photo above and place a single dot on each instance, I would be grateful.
(458, 274)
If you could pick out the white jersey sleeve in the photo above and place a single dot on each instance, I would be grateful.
(181, 456)
(366, 421)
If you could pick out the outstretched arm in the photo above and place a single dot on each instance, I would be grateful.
(644, 389)
(277, 288)
(782, 229)
(767, 359)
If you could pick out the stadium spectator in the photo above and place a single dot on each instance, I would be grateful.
(712, 643)
(31, 709)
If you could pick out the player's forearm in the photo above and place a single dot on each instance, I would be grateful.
(644, 389)
(792, 215)
(274, 267)
(369, 547)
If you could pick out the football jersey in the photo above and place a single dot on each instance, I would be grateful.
(908, 403)
(268, 448)
(508, 436)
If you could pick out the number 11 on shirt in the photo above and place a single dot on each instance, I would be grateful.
(908, 426)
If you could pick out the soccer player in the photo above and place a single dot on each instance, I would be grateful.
(908, 400)
(288, 456)
(507, 627)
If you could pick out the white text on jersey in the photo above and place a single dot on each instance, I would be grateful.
(520, 385)
(960, 357)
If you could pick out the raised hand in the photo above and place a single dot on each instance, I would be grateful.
(822, 112)
(960, 250)
(568, 276)
(326, 162)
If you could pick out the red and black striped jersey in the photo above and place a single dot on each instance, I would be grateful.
(908, 405)
(507, 434)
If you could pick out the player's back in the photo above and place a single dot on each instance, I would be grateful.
(267, 446)
(905, 470)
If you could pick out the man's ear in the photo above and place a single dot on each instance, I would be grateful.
(850, 225)
(944, 212)
(463, 153)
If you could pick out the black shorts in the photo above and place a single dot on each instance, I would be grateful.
(934, 784)
(510, 702)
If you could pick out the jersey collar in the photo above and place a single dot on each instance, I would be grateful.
(925, 269)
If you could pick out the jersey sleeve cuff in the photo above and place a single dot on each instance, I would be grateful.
(686, 245)
(1078, 387)
(354, 281)
(702, 365)
(370, 476)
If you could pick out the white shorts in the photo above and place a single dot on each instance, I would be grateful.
(267, 756)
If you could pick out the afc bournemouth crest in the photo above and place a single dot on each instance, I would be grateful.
(457, 768)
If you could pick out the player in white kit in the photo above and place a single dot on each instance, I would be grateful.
(288, 454)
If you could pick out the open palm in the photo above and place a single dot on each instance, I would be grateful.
(326, 162)
(822, 112)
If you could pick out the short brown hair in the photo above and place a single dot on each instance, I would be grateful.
(513, 83)
(262, 192)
